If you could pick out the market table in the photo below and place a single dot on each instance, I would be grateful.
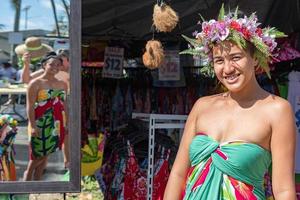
(13, 90)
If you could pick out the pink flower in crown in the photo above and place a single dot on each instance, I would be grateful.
(215, 31)
(195, 33)
(206, 27)
(271, 44)
(223, 30)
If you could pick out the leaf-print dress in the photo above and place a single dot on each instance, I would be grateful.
(50, 120)
(231, 171)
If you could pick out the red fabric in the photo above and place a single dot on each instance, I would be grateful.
(57, 107)
(135, 181)
(160, 181)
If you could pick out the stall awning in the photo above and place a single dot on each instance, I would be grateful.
(133, 18)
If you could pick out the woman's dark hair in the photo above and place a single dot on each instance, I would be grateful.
(48, 56)
(63, 53)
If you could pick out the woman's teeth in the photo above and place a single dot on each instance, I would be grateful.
(231, 77)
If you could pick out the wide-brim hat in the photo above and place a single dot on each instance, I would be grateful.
(33, 45)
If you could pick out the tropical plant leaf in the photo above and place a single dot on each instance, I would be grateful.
(48, 141)
(262, 47)
(190, 52)
(262, 62)
(202, 18)
(207, 71)
(221, 13)
(236, 12)
(193, 42)
(238, 39)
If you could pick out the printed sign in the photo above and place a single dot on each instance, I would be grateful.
(113, 62)
(61, 44)
(170, 70)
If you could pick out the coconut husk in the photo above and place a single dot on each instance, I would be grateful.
(165, 18)
(154, 55)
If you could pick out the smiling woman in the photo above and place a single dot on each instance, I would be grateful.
(47, 111)
(231, 139)
(55, 127)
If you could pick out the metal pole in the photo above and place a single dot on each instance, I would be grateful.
(26, 18)
(150, 157)
(26, 15)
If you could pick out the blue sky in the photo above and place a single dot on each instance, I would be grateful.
(40, 15)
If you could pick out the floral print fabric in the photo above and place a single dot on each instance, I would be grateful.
(230, 171)
(50, 120)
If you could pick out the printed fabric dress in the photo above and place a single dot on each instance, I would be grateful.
(231, 171)
(50, 120)
(8, 132)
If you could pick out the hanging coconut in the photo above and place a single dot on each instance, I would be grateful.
(165, 18)
(154, 55)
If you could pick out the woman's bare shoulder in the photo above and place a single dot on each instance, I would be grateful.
(36, 82)
(277, 102)
(277, 107)
(206, 101)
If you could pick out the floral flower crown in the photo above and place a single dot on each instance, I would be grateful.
(238, 30)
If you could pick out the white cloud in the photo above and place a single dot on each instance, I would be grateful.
(33, 24)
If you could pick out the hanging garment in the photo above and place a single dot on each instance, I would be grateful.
(232, 170)
(294, 99)
(8, 133)
(135, 181)
(92, 155)
(117, 183)
(161, 177)
(50, 120)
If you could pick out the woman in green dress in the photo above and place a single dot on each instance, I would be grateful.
(230, 139)
(46, 113)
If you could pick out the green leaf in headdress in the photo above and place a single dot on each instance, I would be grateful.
(221, 13)
(202, 18)
(252, 16)
(193, 42)
(190, 52)
(273, 31)
(236, 13)
(208, 71)
(238, 39)
(262, 61)
(261, 46)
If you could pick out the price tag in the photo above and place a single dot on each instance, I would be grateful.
(113, 62)
(170, 69)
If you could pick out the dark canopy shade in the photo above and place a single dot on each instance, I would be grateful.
(133, 18)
